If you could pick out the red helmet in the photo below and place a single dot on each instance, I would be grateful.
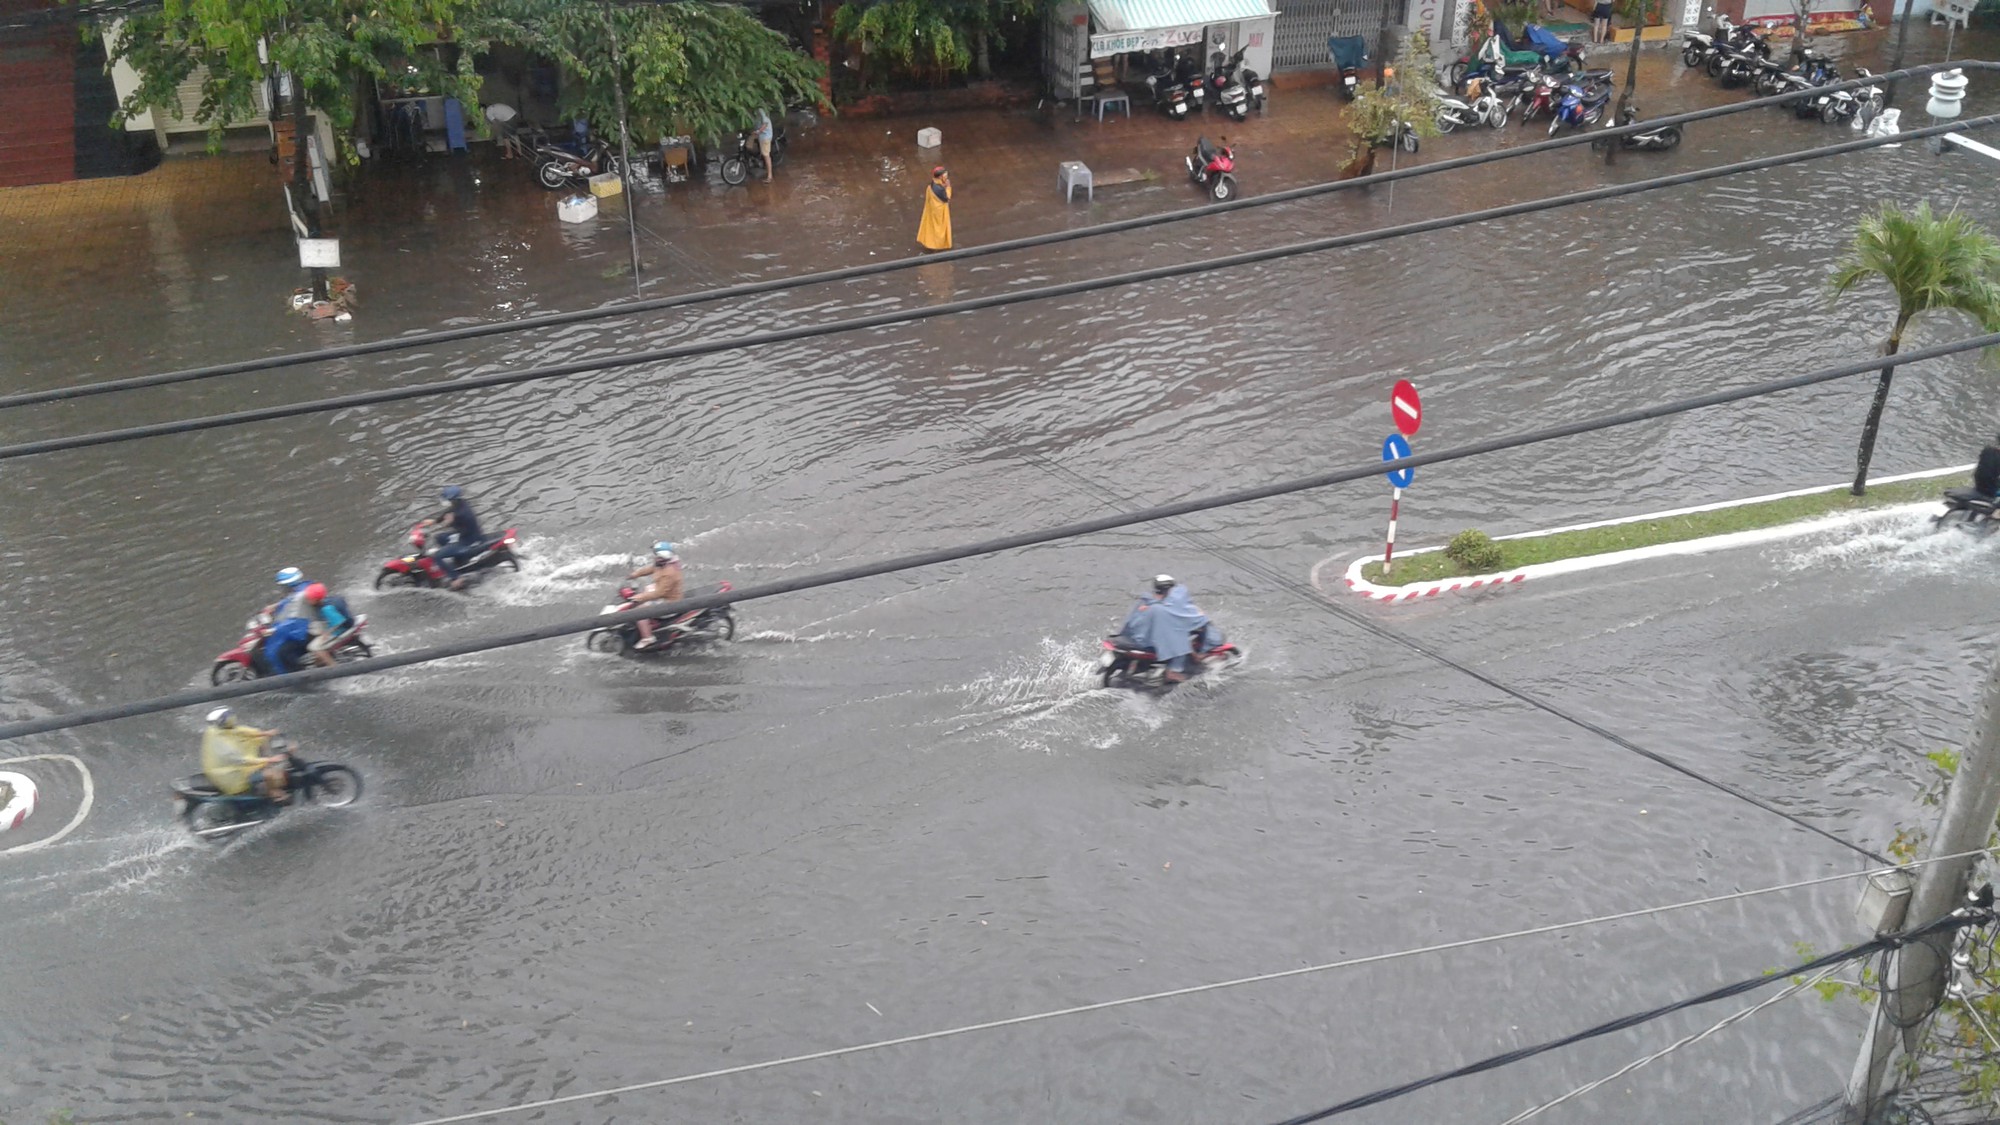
(315, 593)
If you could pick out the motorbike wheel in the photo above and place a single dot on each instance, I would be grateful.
(1714, 66)
(1554, 124)
(394, 579)
(336, 787)
(1830, 113)
(735, 170)
(1223, 189)
(1105, 677)
(1454, 76)
(1670, 137)
(551, 175)
(1446, 120)
(1690, 57)
(726, 630)
(1953, 517)
(1409, 140)
(206, 816)
(230, 672)
(1499, 118)
(507, 560)
(359, 650)
(608, 641)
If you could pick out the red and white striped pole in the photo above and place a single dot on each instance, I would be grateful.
(1389, 550)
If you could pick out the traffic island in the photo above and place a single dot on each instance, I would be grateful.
(1426, 571)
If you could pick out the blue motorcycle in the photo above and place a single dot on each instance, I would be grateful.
(1580, 106)
(213, 815)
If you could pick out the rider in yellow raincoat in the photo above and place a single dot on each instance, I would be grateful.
(233, 758)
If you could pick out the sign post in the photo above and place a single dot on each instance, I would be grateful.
(1408, 412)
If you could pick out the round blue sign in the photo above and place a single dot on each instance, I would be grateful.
(1395, 447)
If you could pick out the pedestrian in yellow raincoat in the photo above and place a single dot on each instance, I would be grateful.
(934, 232)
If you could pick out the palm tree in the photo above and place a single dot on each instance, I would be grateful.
(1932, 263)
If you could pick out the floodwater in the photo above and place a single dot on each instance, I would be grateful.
(900, 805)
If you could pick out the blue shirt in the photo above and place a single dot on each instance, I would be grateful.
(465, 523)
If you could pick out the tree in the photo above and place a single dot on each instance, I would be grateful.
(329, 46)
(1932, 264)
(690, 67)
(931, 40)
(1373, 115)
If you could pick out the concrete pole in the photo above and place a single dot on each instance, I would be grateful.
(1923, 968)
(1896, 60)
(624, 146)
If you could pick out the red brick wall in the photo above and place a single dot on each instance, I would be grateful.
(37, 100)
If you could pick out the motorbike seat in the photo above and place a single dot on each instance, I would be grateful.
(196, 785)
(1969, 496)
(1204, 151)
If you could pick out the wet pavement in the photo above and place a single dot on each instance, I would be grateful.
(900, 805)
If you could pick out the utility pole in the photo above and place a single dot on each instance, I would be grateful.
(1922, 968)
(302, 178)
(1628, 110)
(1896, 61)
(624, 144)
(1382, 47)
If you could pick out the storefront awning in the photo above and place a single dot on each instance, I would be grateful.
(1142, 25)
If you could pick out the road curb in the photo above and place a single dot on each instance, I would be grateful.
(1417, 591)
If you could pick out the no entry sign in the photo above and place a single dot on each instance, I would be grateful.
(1406, 408)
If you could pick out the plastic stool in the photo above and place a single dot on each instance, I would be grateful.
(1120, 100)
(1072, 173)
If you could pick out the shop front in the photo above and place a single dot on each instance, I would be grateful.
(1089, 42)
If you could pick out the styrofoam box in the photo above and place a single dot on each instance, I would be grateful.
(929, 138)
(576, 209)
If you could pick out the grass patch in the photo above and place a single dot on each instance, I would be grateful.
(1517, 553)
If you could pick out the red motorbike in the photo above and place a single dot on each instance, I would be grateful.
(247, 661)
(1141, 667)
(1210, 166)
(423, 569)
(1544, 92)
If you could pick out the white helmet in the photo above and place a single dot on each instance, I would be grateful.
(222, 717)
(1163, 583)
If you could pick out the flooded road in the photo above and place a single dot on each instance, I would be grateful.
(900, 805)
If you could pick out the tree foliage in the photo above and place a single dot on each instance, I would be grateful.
(1931, 264)
(689, 66)
(1411, 99)
(931, 40)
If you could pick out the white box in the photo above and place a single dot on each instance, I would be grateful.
(929, 138)
(576, 209)
(319, 253)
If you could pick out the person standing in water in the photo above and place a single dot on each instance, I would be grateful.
(934, 232)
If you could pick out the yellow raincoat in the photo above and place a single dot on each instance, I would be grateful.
(229, 755)
(934, 232)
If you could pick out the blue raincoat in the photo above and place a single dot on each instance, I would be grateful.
(1165, 625)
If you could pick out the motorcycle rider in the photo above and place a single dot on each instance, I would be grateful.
(306, 626)
(1167, 622)
(457, 519)
(668, 585)
(1986, 475)
(233, 758)
(290, 581)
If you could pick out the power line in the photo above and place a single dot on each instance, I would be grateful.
(995, 300)
(850, 273)
(1726, 1021)
(1192, 990)
(995, 545)
(1957, 920)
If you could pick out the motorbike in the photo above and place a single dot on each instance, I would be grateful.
(1349, 53)
(1696, 48)
(1844, 105)
(1543, 93)
(1485, 107)
(717, 624)
(1736, 61)
(212, 815)
(1210, 166)
(421, 568)
(1651, 140)
(248, 661)
(736, 168)
(1970, 509)
(1231, 96)
(1126, 664)
(1580, 106)
(570, 163)
(1170, 96)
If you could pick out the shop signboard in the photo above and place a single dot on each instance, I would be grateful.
(1124, 42)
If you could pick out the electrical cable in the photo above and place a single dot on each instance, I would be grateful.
(972, 304)
(871, 269)
(1191, 990)
(1726, 1021)
(1950, 923)
(133, 708)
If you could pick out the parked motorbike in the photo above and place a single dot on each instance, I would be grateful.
(421, 568)
(1580, 106)
(718, 624)
(1170, 96)
(1211, 167)
(1250, 80)
(1229, 95)
(571, 163)
(1697, 49)
(212, 815)
(1735, 62)
(1485, 107)
(1970, 509)
(736, 167)
(1349, 53)
(1651, 140)
(1124, 665)
(247, 661)
(1543, 93)
(1837, 106)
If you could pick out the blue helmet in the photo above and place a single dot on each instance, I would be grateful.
(663, 551)
(291, 577)
(452, 492)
